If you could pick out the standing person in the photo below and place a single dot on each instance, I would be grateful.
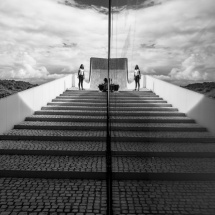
(81, 76)
(137, 77)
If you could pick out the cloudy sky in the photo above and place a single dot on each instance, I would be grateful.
(45, 39)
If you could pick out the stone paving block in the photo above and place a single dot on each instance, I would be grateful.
(188, 127)
(163, 147)
(58, 196)
(52, 163)
(52, 145)
(164, 197)
(113, 104)
(169, 134)
(50, 107)
(122, 119)
(112, 113)
(163, 165)
(63, 133)
(136, 101)
(49, 191)
(66, 117)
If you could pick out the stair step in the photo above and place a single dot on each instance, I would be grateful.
(52, 196)
(104, 99)
(188, 127)
(116, 105)
(95, 92)
(163, 197)
(125, 136)
(72, 148)
(119, 119)
(54, 135)
(163, 162)
(104, 96)
(164, 149)
(103, 113)
(69, 148)
(111, 101)
(112, 108)
(36, 166)
(160, 136)
(163, 168)
(89, 167)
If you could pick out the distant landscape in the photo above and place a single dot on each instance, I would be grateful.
(9, 87)
(206, 88)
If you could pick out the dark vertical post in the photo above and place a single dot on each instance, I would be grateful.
(108, 141)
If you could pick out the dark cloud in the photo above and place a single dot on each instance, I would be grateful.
(117, 5)
(69, 45)
(148, 46)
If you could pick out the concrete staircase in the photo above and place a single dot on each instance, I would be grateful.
(163, 162)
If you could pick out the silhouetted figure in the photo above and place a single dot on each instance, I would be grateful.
(81, 76)
(105, 85)
(137, 77)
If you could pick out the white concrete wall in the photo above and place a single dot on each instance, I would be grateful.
(15, 108)
(194, 105)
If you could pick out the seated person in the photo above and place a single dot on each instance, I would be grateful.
(104, 87)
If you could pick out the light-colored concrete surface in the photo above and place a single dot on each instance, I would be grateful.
(15, 108)
(194, 105)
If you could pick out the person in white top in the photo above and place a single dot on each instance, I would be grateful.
(81, 76)
(137, 77)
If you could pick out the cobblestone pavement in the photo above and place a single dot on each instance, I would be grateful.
(88, 197)
(50, 107)
(115, 125)
(150, 104)
(111, 104)
(52, 196)
(53, 145)
(154, 125)
(111, 101)
(98, 97)
(114, 113)
(160, 134)
(163, 165)
(63, 117)
(53, 163)
(163, 147)
(77, 124)
(203, 136)
(164, 197)
(76, 104)
(62, 133)
(143, 119)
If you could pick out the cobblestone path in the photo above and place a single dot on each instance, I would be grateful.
(54, 161)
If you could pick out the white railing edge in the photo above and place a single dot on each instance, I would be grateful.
(195, 105)
(16, 107)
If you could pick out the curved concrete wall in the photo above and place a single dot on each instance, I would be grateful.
(99, 71)
(194, 105)
(15, 108)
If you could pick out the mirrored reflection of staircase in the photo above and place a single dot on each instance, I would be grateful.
(163, 162)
